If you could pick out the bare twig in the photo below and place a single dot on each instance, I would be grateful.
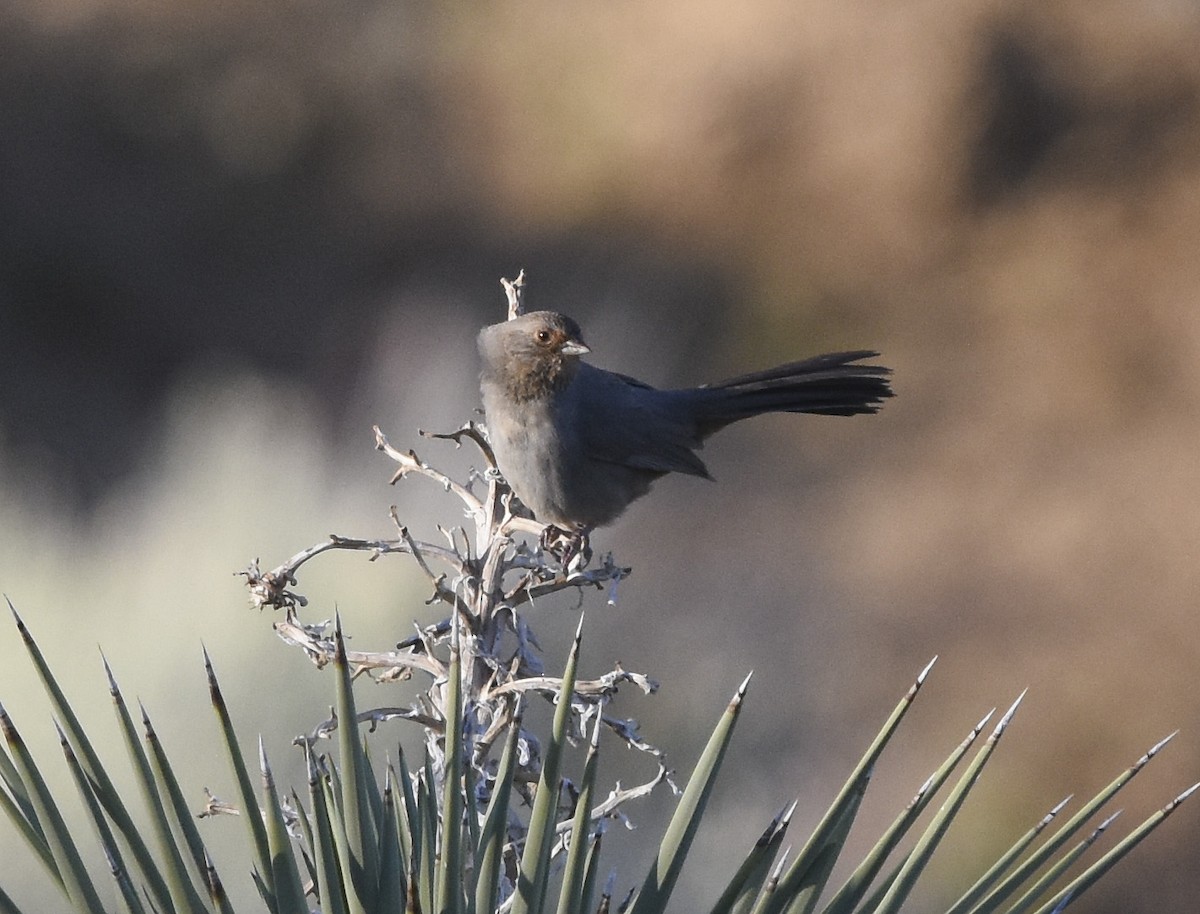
(618, 796)
(470, 431)
(320, 650)
(603, 687)
(514, 291)
(411, 463)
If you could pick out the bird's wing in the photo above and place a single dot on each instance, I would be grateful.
(624, 421)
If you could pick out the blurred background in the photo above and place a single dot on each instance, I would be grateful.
(236, 235)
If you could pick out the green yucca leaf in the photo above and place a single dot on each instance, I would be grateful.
(246, 793)
(767, 893)
(408, 834)
(449, 898)
(216, 889)
(285, 876)
(928, 842)
(325, 856)
(1088, 878)
(677, 841)
(794, 877)
(7, 905)
(362, 839)
(330, 788)
(808, 892)
(75, 879)
(495, 824)
(106, 793)
(571, 899)
(859, 881)
(25, 819)
(130, 898)
(391, 865)
(472, 823)
(261, 888)
(183, 894)
(747, 882)
(333, 780)
(308, 850)
(168, 784)
(429, 825)
(530, 892)
(19, 809)
(997, 869)
(871, 905)
(1013, 882)
(592, 869)
(112, 853)
(374, 794)
(1060, 866)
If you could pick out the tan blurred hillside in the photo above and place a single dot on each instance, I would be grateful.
(235, 235)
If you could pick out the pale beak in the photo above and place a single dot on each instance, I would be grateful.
(574, 347)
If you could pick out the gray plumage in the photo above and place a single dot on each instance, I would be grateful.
(578, 443)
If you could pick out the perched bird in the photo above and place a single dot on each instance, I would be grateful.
(577, 443)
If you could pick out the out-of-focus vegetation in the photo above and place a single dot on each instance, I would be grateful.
(234, 236)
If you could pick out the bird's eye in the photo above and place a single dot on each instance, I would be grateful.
(543, 336)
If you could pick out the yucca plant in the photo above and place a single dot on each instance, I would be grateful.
(487, 819)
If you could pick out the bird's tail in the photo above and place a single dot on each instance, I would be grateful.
(830, 385)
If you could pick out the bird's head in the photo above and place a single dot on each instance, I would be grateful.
(532, 355)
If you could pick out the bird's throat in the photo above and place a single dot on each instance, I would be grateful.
(540, 379)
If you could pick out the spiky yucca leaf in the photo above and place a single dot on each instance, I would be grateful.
(106, 793)
(747, 882)
(664, 871)
(289, 893)
(1089, 877)
(358, 818)
(449, 897)
(241, 775)
(839, 816)
(24, 818)
(535, 861)
(108, 843)
(807, 892)
(16, 804)
(168, 788)
(427, 807)
(1039, 886)
(392, 888)
(184, 896)
(307, 848)
(494, 832)
(592, 867)
(1007, 887)
(916, 862)
(75, 879)
(407, 823)
(992, 875)
(571, 898)
(330, 888)
(856, 885)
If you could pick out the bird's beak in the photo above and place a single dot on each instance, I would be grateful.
(574, 347)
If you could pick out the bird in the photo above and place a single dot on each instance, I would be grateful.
(578, 444)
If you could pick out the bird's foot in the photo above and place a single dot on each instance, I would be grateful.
(570, 547)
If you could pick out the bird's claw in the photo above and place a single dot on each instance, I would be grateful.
(570, 547)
